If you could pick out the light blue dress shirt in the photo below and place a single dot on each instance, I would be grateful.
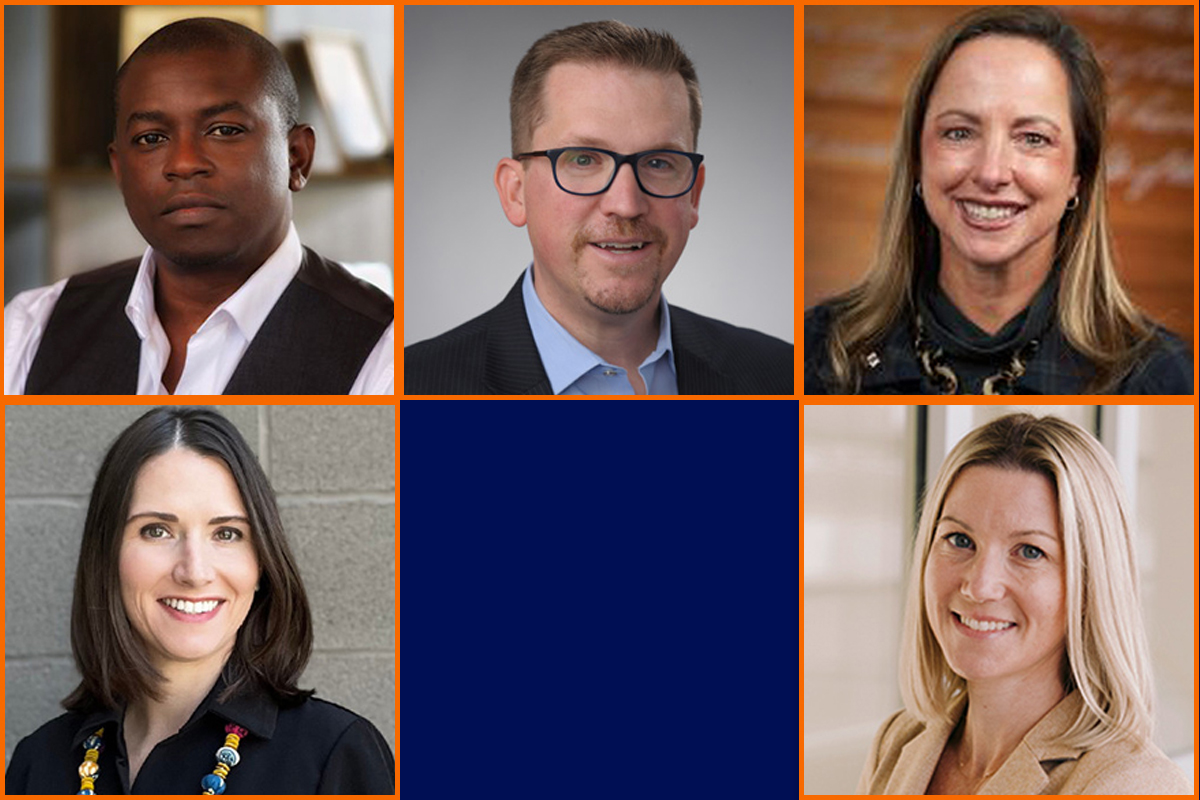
(574, 369)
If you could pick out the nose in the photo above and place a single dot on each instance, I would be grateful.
(624, 197)
(186, 158)
(193, 566)
(984, 578)
(994, 168)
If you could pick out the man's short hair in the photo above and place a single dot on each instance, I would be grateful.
(608, 42)
(210, 33)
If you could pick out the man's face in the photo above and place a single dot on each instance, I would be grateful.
(202, 160)
(627, 111)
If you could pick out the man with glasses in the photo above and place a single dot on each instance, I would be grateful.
(589, 317)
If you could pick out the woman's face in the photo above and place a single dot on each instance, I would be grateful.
(994, 581)
(998, 153)
(188, 568)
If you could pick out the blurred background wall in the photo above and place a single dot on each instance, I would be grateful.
(864, 467)
(63, 213)
(333, 470)
(858, 62)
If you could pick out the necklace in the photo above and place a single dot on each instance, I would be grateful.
(213, 783)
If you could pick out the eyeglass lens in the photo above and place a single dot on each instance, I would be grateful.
(587, 171)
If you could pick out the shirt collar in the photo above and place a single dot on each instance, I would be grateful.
(564, 357)
(248, 307)
(254, 710)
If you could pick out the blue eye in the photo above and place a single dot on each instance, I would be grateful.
(957, 134)
(958, 540)
(1030, 552)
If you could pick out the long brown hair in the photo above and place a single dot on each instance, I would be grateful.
(275, 641)
(1095, 314)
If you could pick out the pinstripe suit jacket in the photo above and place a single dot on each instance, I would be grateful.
(495, 353)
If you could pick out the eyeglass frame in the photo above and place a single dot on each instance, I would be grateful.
(619, 160)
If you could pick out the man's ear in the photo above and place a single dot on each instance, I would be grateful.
(510, 185)
(112, 161)
(694, 196)
(302, 143)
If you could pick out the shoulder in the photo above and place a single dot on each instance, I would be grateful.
(1126, 768)
(335, 281)
(817, 322)
(356, 757)
(1163, 367)
(764, 363)
(456, 362)
(896, 731)
(37, 755)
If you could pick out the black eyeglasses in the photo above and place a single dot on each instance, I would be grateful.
(589, 170)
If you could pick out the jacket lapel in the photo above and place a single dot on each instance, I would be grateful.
(512, 364)
(919, 758)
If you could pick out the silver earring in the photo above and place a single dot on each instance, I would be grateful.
(917, 189)
(1073, 203)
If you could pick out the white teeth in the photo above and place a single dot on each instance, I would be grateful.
(979, 625)
(621, 247)
(188, 607)
(988, 212)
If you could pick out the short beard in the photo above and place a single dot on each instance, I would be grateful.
(618, 303)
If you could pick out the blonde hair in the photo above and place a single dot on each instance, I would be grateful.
(1096, 315)
(1106, 647)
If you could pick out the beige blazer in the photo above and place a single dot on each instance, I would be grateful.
(906, 751)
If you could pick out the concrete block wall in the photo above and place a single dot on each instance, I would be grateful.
(333, 470)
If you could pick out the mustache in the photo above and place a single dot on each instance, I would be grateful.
(618, 229)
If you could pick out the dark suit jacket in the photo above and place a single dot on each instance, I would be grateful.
(495, 354)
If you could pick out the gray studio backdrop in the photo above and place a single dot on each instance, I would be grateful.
(461, 256)
(333, 469)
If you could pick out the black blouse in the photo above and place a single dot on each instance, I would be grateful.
(312, 748)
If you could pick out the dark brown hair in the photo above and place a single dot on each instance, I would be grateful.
(274, 642)
(606, 42)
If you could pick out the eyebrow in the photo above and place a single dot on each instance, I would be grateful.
(1029, 119)
(165, 517)
(204, 113)
(1013, 535)
(588, 141)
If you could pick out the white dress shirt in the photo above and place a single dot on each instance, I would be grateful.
(214, 350)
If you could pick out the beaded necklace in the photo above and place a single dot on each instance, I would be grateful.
(213, 783)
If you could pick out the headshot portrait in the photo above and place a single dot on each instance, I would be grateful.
(536, 263)
(997, 200)
(172, 583)
(1023, 584)
(206, 135)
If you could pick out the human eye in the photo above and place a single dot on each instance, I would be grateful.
(228, 535)
(959, 541)
(1031, 553)
(225, 131)
(1034, 139)
(661, 162)
(154, 531)
(581, 159)
(149, 139)
(957, 134)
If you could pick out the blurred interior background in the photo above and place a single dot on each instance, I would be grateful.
(864, 470)
(858, 62)
(63, 213)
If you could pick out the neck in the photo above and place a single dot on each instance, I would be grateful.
(624, 340)
(183, 688)
(991, 295)
(999, 715)
(184, 298)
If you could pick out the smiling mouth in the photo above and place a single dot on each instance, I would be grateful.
(190, 606)
(983, 626)
(989, 212)
(620, 247)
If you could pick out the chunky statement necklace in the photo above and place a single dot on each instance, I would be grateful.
(213, 783)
